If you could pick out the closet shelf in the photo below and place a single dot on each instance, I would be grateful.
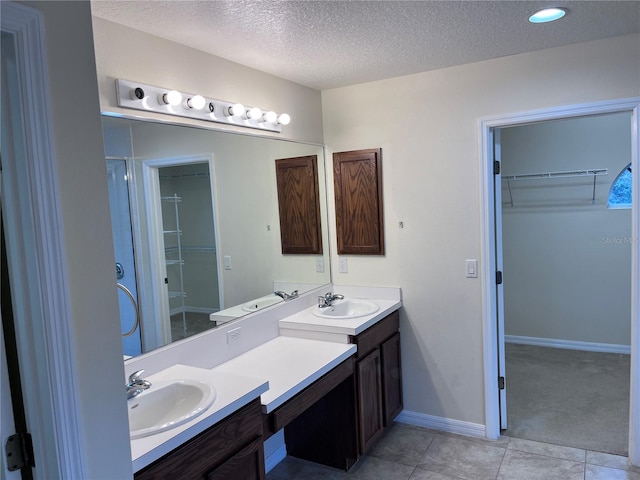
(191, 248)
(174, 262)
(591, 172)
(594, 172)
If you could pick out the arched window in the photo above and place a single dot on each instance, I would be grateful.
(620, 193)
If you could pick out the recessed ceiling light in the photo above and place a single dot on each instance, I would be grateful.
(547, 15)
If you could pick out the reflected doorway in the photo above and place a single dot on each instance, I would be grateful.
(181, 214)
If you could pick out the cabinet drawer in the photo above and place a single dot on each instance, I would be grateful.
(375, 335)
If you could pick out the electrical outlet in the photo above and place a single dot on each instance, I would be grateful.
(342, 265)
(233, 336)
(320, 265)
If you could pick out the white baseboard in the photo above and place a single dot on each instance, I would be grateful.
(569, 344)
(441, 423)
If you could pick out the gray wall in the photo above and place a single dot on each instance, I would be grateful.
(567, 268)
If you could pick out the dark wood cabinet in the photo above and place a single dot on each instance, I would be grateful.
(378, 379)
(391, 379)
(357, 178)
(369, 388)
(230, 449)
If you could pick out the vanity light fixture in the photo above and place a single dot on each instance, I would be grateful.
(548, 15)
(149, 98)
(171, 97)
(284, 119)
(235, 110)
(197, 102)
(270, 117)
(254, 113)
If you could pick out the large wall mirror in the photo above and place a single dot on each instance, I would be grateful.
(196, 228)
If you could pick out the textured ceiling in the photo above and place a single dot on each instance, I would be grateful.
(328, 44)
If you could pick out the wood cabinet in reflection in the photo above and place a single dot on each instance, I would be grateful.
(299, 205)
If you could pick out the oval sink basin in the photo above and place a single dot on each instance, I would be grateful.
(343, 309)
(260, 303)
(167, 405)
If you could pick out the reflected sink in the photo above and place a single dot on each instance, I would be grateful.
(168, 404)
(348, 308)
(261, 302)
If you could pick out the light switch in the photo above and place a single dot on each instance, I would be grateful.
(320, 265)
(227, 262)
(472, 268)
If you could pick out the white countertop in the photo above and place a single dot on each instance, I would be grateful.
(290, 364)
(232, 393)
(306, 320)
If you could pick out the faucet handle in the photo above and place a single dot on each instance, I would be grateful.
(135, 377)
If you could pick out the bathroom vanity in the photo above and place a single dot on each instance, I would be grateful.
(331, 385)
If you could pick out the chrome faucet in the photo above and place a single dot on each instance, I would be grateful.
(328, 298)
(136, 385)
(286, 296)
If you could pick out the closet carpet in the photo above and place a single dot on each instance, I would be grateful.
(568, 397)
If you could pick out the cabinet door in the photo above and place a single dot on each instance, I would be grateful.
(247, 464)
(391, 379)
(369, 384)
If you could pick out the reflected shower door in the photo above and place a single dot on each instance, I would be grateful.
(117, 178)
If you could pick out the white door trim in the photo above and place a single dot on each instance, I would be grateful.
(38, 263)
(489, 309)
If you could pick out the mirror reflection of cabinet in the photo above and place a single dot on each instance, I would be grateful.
(357, 177)
(299, 205)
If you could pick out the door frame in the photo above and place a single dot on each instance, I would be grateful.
(37, 262)
(491, 347)
(153, 204)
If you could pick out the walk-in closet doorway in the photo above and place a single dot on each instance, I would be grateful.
(496, 383)
(566, 253)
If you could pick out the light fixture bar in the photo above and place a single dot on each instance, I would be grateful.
(150, 98)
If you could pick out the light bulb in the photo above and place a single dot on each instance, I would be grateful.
(284, 119)
(172, 98)
(254, 113)
(235, 110)
(270, 117)
(196, 102)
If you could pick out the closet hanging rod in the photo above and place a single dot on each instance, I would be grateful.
(592, 172)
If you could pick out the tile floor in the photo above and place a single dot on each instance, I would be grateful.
(406, 452)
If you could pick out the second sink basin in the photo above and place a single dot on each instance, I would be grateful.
(168, 404)
(260, 303)
(348, 308)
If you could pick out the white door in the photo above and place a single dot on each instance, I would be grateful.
(497, 186)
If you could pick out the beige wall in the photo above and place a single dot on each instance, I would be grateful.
(565, 275)
(427, 126)
(79, 156)
(132, 55)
